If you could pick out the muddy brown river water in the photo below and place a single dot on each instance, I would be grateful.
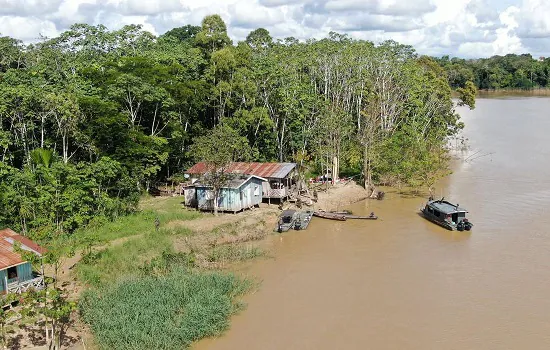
(404, 283)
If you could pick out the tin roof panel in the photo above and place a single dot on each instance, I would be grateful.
(8, 257)
(265, 170)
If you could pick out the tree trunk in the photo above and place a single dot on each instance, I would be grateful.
(335, 169)
(367, 171)
(216, 198)
(65, 149)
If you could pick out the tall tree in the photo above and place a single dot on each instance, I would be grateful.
(213, 34)
(218, 149)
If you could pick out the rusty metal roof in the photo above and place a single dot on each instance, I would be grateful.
(8, 257)
(265, 170)
(232, 183)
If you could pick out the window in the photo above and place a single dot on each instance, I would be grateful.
(454, 217)
(436, 213)
(257, 190)
(12, 273)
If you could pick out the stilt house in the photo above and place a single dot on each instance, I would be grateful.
(16, 273)
(279, 176)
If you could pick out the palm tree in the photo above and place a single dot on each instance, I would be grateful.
(41, 156)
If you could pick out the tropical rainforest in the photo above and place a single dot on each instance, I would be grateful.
(93, 118)
(498, 72)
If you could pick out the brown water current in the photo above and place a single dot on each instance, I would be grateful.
(404, 283)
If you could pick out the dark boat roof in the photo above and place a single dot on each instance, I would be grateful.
(446, 207)
(288, 212)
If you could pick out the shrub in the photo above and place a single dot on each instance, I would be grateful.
(162, 312)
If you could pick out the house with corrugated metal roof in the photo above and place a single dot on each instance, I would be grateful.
(16, 273)
(241, 192)
(279, 176)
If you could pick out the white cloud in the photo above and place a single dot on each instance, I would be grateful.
(382, 7)
(507, 41)
(144, 7)
(468, 28)
(28, 7)
(252, 15)
(28, 29)
(533, 20)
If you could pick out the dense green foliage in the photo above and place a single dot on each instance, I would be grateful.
(91, 119)
(498, 72)
(162, 312)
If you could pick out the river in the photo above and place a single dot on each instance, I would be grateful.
(404, 283)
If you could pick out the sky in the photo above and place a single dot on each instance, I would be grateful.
(462, 28)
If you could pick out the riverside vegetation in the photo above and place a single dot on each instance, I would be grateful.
(509, 72)
(93, 118)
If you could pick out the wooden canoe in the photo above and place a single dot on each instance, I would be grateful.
(330, 216)
(343, 212)
(361, 217)
(349, 215)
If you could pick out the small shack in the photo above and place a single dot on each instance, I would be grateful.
(240, 193)
(280, 177)
(16, 274)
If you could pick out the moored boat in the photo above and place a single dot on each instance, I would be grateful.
(302, 219)
(293, 219)
(286, 220)
(349, 215)
(331, 216)
(360, 217)
(343, 212)
(446, 214)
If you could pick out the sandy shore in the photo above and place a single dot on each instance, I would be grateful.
(339, 195)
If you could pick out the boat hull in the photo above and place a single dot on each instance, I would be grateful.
(358, 217)
(330, 216)
(299, 221)
(302, 220)
(438, 222)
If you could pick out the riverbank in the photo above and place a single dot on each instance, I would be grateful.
(542, 92)
(539, 92)
(131, 249)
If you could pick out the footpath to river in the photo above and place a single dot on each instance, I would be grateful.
(402, 282)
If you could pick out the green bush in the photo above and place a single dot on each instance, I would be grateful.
(162, 312)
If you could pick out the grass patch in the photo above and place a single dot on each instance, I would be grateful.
(229, 228)
(108, 265)
(162, 312)
(142, 222)
(228, 253)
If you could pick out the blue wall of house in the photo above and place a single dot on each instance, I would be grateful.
(231, 199)
(3, 280)
(24, 273)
